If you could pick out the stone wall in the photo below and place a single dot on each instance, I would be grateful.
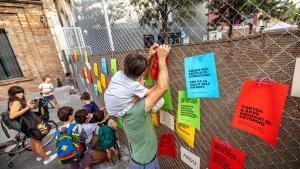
(29, 34)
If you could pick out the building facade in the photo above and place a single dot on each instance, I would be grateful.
(28, 46)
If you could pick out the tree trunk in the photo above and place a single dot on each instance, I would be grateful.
(250, 28)
(165, 26)
(230, 31)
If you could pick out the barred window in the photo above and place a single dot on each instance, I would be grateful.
(9, 67)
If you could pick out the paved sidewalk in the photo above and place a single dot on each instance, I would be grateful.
(27, 160)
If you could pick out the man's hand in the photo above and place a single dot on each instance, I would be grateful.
(163, 51)
(152, 50)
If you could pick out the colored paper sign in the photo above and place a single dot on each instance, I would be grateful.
(186, 132)
(189, 158)
(88, 65)
(96, 90)
(89, 77)
(201, 76)
(148, 81)
(296, 80)
(99, 87)
(167, 119)
(86, 59)
(154, 119)
(259, 109)
(188, 110)
(168, 100)
(85, 71)
(96, 72)
(69, 60)
(75, 55)
(103, 81)
(104, 67)
(120, 122)
(167, 145)
(223, 155)
(113, 66)
(82, 72)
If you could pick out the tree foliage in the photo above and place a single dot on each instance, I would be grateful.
(156, 13)
(231, 12)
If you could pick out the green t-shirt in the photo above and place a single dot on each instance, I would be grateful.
(46, 87)
(140, 133)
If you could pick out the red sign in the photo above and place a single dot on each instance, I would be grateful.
(155, 68)
(224, 156)
(89, 77)
(259, 109)
(167, 145)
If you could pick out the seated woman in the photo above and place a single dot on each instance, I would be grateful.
(17, 107)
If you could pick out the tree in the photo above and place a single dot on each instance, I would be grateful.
(231, 12)
(157, 12)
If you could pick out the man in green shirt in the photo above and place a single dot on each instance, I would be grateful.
(137, 122)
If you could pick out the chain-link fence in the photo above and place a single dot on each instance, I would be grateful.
(251, 39)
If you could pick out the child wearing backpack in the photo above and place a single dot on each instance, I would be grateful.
(83, 118)
(107, 137)
(70, 141)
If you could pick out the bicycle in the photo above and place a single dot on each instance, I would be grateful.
(21, 142)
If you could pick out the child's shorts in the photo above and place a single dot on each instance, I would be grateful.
(113, 148)
(83, 163)
(50, 98)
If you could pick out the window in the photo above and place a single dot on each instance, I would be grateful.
(9, 67)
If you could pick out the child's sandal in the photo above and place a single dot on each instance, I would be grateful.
(111, 164)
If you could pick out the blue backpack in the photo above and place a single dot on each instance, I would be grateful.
(69, 149)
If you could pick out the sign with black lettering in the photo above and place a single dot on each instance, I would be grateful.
(259, 109)
(201, 76)
(189, 158)
(224, 156)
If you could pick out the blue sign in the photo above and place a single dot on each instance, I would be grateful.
(201, 76)
(96, 89)
(104, 68)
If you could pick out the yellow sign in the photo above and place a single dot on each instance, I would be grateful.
(75, 56)
(103, 81)
(99, 86)
(86, 56)
(96, 72)
(186, 132)
(154, 119)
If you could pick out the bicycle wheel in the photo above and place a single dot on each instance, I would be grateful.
(46, 140)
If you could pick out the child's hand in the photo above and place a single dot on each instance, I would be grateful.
(152, 50)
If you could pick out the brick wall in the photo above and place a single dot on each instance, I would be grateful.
(32, 43)
(237, 59)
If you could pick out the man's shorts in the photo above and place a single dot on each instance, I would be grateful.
(153, 164)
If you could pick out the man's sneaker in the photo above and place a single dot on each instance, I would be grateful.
(51, 158)
(158, 105)
(40, 158)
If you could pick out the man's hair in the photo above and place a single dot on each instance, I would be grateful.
(134, 65)
(45, 77)
(80, 116)
(68, 74)
(85, 96)
(64, 113)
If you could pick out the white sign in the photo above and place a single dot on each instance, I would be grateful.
(167, 119)
(189, 158)
(296, 80)
(88, 65)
